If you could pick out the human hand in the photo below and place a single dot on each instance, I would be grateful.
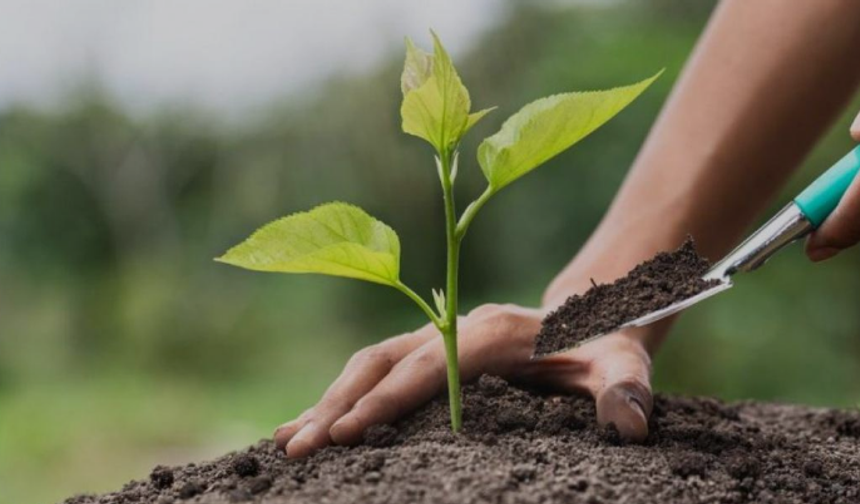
(842, 229)
(386, 381)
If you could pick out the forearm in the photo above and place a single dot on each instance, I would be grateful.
(764, 82)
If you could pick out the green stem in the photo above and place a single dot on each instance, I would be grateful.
(450, 337)
(450, 329)
(437, 321)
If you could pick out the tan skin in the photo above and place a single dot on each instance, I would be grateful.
(764, 82)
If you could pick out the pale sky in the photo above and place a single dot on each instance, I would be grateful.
(228, 55)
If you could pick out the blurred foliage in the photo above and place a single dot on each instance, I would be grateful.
(122, 345)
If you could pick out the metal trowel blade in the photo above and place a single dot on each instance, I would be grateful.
(725, 284)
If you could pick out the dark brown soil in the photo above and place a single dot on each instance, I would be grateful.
(667, 278)
(524, 447)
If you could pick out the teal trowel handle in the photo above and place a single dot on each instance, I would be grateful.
(822, 196)
(794, 221)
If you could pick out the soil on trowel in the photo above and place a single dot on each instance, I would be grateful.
(520, 446)
(665, 279)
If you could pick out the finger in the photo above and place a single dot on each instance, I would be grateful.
(363, 371)
(855, 128)
(413, 381)
(623, 392)
(841, 229)
(286, 431)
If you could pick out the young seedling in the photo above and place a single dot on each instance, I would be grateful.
(342, 240)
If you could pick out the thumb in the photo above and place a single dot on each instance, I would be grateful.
(623, 397)
(841, 229)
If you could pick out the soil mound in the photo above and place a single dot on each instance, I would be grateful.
(519, 446)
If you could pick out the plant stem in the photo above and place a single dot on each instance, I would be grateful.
(450, 337)
(449, 332)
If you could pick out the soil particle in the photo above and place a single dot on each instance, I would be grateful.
(239, 495)
(161, 477)
(246, 465)
(848, 427)
(698, 451)
(492, 386)
(380, 436)
(610, 435)
(191, 489)
(260, 484)
(688, 464)
(558, 417)
(813, 468)
(523, 472)
(742, 467)
(667, 278)
(373, 462)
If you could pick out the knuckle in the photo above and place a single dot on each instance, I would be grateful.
(332, 402)
(309, 415)
(485, 310)
(499, 316)
(426, 361)
(506, 319)
(372, 355)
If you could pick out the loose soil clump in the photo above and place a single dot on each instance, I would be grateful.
(520, 446)
(665, 279)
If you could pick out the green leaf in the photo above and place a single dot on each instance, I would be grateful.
(417, 68)
(435, 104)
(546, 127)
(477, 116)
(332, 239)
(439, 300)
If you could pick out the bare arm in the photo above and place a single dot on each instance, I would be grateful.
(763, 84)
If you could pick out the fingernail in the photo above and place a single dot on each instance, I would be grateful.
(640, 396)
(822, 254)
(637, 404)
(855, 128)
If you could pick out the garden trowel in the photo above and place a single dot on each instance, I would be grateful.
(796, 220)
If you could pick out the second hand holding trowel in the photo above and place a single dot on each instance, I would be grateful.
(796, 220)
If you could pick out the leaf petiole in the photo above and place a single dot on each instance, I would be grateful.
(437, 320)
(472, 210)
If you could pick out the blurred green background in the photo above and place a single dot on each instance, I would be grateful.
(123, 345)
